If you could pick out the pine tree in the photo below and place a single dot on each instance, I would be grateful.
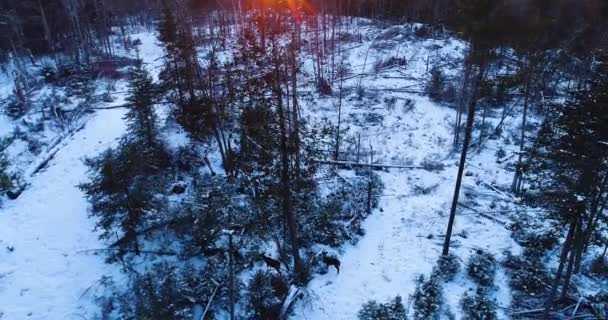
(141, 118)
(263, 302)
(394, 310)
(436, 86)
(123, 191)
(182, 74)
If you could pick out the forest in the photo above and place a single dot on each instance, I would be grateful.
(303, 159)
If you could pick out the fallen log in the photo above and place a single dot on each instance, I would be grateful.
(372, 165)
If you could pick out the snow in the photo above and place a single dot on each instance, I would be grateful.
(5, 125)
(47, 276)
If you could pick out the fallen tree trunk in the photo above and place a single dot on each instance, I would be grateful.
(373, 165)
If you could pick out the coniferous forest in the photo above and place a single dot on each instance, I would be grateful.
(303, 159)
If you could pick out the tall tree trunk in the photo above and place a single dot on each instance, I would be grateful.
(463, 158)
(573, 256)
(516, 186)
(337, 151)
(462, 102)
(560, 269)
(287, 209)
(296, 111)
(597, 207)
(47, 32)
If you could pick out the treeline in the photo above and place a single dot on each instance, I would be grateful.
(81, 29)
(77, 29)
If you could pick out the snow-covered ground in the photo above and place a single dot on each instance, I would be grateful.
(404, 237)
(47, 275)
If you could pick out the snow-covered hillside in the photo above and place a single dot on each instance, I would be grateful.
(404, 237)
(52, 264)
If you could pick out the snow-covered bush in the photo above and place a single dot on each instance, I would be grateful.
(339, 215)
(448, 266)
(387, 63)
(599, 302)
(427, 298)
(431, 163)
(360, 93)
(5, 180)
(479, 306)
(328, 223)
(187, 158)
(264, 304)
(528, 274)
(8, 180)
(436, 85)
(535, 235)
(423, 31)
(324, 87)
(501, 153)
(481, 267)
(18, 103)
(393, 310)
(303, 277)
(390, 103)
(165, 292)
(408, 105)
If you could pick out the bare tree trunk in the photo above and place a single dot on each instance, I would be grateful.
(337, 152)
(369, 181)
(285, 176)
(47, 32)
(516, 186)
(596, 209)
(295, 107)
(462, 102)
(573, 256)
(463, 159)
(560, 269)
(231, 297)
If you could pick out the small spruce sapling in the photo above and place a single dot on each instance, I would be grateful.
(479, 306)
(393, 310)
(428, 297)
(482, 267)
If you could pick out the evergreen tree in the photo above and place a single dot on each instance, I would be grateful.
(569, 169)
(479, 306)
(182, 73)
(263, 301)
(436, 86)
(123, 191)
(6, 182)
(141, 118)
(393, 310)
(427, 298)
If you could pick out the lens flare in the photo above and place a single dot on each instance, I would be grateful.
(296, 7)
